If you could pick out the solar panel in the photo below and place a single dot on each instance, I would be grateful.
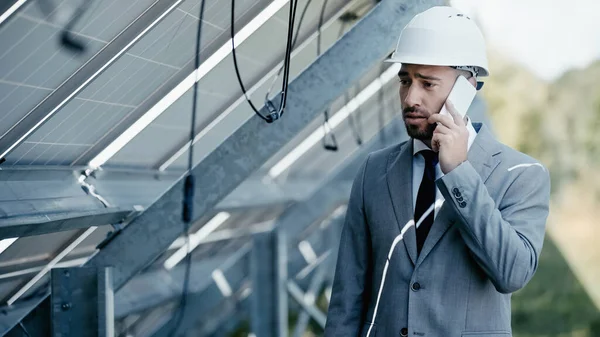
(33, 64)
(125, 86)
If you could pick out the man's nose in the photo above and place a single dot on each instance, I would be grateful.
(412, 97)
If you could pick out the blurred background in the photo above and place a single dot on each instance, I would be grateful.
(96, 100)
(544, 99)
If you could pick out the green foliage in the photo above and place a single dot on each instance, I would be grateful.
(554, 303)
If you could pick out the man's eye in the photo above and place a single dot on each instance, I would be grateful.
(428, 85)
(404, 82)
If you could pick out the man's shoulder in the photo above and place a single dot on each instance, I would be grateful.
(512, 156)
(514, 160)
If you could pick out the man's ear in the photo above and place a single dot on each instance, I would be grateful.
(473, 81)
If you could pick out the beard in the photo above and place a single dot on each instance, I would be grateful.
(420, 133)
(423, 131)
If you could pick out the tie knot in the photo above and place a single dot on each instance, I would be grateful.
(431, 158)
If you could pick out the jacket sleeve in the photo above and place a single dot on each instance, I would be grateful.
(505, 239)
(347, 305)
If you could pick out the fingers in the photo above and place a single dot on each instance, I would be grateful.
(441, 128)
(458, 120)
(444, 120)
(438, 140)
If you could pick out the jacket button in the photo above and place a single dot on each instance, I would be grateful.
(404, 332)
(456, 192)
(462, 204)
(460, 199)
(415, 286)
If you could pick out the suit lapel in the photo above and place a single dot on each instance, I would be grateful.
(440, 225)
(482, 156)
(399, 179)
(483, 153)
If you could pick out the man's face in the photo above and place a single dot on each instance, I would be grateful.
(423, 92)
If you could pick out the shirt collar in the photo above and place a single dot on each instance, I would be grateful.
(418, 145)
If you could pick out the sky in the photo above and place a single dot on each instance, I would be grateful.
(548, 37)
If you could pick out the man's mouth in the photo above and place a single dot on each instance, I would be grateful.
(413, 116)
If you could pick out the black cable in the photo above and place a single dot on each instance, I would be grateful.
(274, 114)
(189, 185)
(268, 94)
(286, 70)
(328, 131)
(355, 131)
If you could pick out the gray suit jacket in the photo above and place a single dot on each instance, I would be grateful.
(484, 244)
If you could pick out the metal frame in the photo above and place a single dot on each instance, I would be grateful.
(254, 142)
(294, 220)
(30, 225)
(223, 313)
(74, 242)
(313, 291)
(181, 149)
(146, 237)
(82, 302)
(47, 198)
(322, 202)
(297, 218)
(269, 273)
(201, 302)
(13, 5)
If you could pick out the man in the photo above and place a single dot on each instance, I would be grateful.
(453, 275)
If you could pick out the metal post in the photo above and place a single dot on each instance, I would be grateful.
(269, 275)
(82, 302)
(313, 292)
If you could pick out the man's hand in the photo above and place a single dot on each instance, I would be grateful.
(450, 139)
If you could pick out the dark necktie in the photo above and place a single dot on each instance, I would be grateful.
(426, 197)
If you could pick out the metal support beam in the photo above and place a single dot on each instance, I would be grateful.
(160, 286)
(87, 73)
(309, 299)
(254, 142)
(322, 202)
(82, 302)
(224, 319)
(130, 189)
(299, 216)
(8, 8)
(221, 319)
(310, 308)
(368, 42)
(269, 309)
(30, 225)
(200, 301)
(140, 295)
(36, 200)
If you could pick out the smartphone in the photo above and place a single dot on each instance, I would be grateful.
(461, 96)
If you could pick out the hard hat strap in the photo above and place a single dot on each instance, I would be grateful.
(473, 70)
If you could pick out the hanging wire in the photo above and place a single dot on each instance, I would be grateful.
(274, 113)
(268, 94)
(189, 184)
(351, 121)
(327, 129)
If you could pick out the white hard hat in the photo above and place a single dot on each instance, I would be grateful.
(442, 36)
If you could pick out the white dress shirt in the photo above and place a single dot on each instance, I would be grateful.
(418, 164)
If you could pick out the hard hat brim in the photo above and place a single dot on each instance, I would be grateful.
(422, 61)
